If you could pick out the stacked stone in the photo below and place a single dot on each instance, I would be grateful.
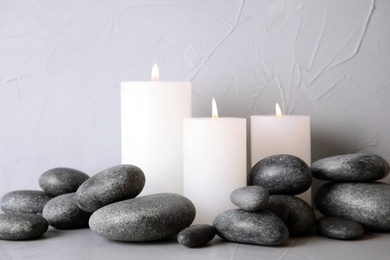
(268, 212)
(26, 210)
(107, 203)
(352, 200)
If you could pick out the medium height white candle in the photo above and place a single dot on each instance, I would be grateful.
(281, 134)
(214, 163)
(152, 130)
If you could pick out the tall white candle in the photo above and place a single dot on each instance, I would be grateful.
(281, 134)
(214, 163)
(152, 130)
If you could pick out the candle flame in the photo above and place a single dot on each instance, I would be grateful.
(278, 110)
(155, 72)
(214, 109)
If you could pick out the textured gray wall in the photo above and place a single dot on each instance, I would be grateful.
(61, 64)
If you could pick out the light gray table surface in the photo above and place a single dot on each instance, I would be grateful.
(84, 244)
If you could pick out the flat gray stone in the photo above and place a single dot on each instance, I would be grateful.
(281, 174)
(61, 180)
(196, 235)
(250, 198)
(257, 227)
(365, 203)
(298, 216)
(359, 167)
(111, 185)
(339, 228)
(22, 226)
(145, 218)
(62, 212)
(24, 201)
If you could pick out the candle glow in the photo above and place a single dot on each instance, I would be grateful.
(278, 110)
(214, 109)
(155, 72)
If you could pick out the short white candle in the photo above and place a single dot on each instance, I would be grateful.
(281, 134)
(214, 163)
(152, 115)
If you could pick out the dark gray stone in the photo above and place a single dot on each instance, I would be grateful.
(359, 167)
(62, 180)
(339, 228)
(279, 209)
(365, 203)
(298, 216)
(257, 227)
(281, 174)
(111, 185)
(196, 235)
(24, 201)
(62, 212)
(145, 218)
(22, 226)
(250, 198)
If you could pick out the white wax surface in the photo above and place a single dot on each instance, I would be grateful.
(214, 163)
(272, 135)
(152, 130)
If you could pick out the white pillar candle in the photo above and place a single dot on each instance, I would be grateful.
(281, 134)
(214, 163)
(152, 130)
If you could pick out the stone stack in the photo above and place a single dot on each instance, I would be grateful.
(352, 198)
(268, 212)
(30, 212)
(107, 203)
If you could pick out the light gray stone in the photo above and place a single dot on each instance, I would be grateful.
(196, 235)
(250, 198)
(61, 180)
(145, 218)
(339, 228)
(359, 167)
(24, 201)
(298, 216)
(62, 212)
(22, 226)
(257, 227)
(281, 174)
(111, 185)
(365, 203)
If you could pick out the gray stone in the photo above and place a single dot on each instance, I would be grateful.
(339, 228)
(111, 185)
(196, 235)
(22, 226)
(145, 218)
(62, 180)
(279, 209)
(359, 167)
(62, 212)
(281, 174)
(298, 216)
(250, 198)
(24, 201)
(257, 227)
(365, 203)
